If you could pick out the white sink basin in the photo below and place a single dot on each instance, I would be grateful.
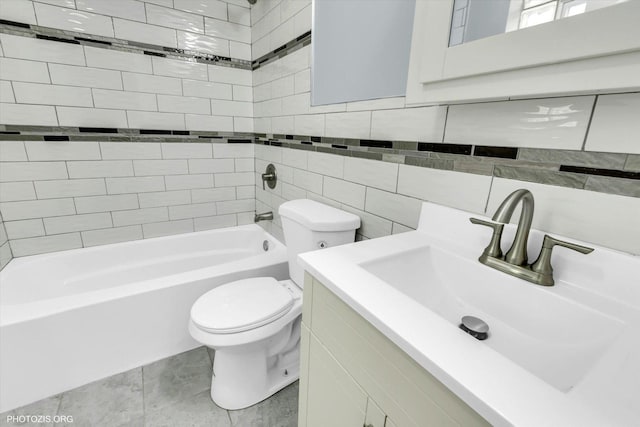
(562, 355)
(533, 326)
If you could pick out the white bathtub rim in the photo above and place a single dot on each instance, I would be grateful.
(16, 313)
(25, 260)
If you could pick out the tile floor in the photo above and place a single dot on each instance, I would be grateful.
(170, 392)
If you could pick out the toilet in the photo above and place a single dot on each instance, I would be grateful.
(254, 324)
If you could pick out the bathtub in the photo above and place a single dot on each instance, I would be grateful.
(72, 317)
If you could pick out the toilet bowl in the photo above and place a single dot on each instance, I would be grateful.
(254, 324)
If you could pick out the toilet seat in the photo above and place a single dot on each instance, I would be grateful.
(242, 305)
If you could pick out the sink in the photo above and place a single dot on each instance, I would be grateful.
(567, 354)
(533, 326)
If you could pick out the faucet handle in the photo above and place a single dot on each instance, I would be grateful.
(493, 250)
(543, 264)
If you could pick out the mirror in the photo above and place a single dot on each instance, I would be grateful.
(477, 19)
(360, 49)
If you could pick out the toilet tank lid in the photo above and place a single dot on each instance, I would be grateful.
(318, 216)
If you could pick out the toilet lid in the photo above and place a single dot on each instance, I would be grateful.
(241, 305)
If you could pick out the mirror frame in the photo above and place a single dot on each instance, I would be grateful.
(561, 57)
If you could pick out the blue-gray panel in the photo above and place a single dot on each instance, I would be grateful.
(360, 49)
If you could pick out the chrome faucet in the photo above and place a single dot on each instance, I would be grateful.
(265, 216)
(515, 261)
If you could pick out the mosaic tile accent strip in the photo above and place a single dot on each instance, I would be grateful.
(284, 50)
(72, 37)
(610, 173)
(47, 133)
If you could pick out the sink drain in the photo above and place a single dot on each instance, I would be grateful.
(475, 327)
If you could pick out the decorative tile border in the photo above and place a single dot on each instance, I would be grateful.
(603, 172)
(72, 37)
(282, 51)
(612, 173)
(49, 133)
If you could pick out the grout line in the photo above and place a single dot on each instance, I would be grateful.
(586, 134)
(446, 119)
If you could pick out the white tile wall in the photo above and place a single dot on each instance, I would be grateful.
(18, 11)
(127, 9)
(409, 124)
(62, 150)
(38, 245)
(211, 8)
(221, 178)
(215, 123)
(199, 43)
(62, 195)
(207, 89)
(148, 120)
(228, 30)
(183, 69)
(580, 214)
(111, 235)
(74, 76)
(24, 229)
(159, 229)
(83, 76)
(558, 209)
(119, 100)
(144, 33)
(186, 150)
(72, 116)
(70, 188)
(121, 89)
(372, 173)
(115, 60)
(556, 123)
(41, 50)
(31, 171)
(167, 17)
(21, 114)
(73, 20)
(615, 126)
(23, 71)
(11, 151)
(455, 189)
(16, 191)
(153, 84)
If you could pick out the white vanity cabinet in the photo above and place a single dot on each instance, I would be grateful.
(594, 52)
(351, 375)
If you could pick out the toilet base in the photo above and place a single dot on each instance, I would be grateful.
(246, 377)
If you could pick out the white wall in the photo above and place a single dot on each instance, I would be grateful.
(65, 195)
(57, 84)
(387, 196)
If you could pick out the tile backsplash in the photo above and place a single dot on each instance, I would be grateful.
(58, 195)
(388, 196)
(216, 27)
(184, 65)
(50, 82)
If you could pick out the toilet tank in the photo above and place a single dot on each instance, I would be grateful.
(309, 225)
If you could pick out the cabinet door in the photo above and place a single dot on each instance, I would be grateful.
(374, 416)
(333, 397)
